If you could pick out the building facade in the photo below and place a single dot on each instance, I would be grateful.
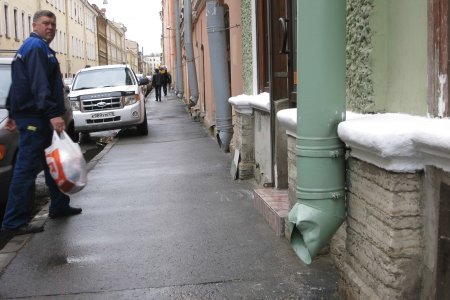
(102, 39)
(84, 35)
(16, 22)
(133, 55)
(116, 42)
(153, 61)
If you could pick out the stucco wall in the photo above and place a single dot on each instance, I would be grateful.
(263, 158)
(246, 37)
(359, 48)
(383, 257)
(387, 56)
(399, 56)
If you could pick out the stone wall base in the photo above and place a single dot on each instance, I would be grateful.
(379, 249)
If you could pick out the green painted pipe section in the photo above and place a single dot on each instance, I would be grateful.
(320, 207)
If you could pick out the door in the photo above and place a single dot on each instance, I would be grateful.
(282, 87)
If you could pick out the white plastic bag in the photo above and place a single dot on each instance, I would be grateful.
(66, 163)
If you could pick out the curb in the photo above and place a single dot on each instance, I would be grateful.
(10, 250)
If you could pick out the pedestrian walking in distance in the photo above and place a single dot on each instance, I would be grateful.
(167, 79)
(35, 106)
(157, 82)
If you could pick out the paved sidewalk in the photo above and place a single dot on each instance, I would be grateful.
(162, 219)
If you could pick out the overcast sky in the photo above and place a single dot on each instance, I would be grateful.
(141, 17)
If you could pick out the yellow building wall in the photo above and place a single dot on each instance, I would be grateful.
(13, 35)
(59, 44)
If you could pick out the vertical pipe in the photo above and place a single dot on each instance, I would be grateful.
(179, 64)
(219, 67)
(320, 207)
(192, 71)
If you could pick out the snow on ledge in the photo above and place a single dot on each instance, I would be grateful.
(288, 119)
(398, 142)
(395, 142)
(243, 103)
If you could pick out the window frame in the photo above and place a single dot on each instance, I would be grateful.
(438, 57)
(6, 19)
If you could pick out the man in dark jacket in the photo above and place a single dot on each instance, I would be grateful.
(157, 82)
(166, 79)
(36, 105)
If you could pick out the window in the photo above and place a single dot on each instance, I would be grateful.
(61, 42)
(6, 10)
(1, 27)
(65, 44)
(24, 29)
(54, 43)
(29, 25)
(16, 25)
(439, 43)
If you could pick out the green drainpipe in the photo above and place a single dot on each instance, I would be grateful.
(320, 207)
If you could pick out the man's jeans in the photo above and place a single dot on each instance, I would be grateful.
(158, 92)
(35, 135)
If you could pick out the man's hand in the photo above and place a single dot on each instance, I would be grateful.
(58, 124)
(10, 125)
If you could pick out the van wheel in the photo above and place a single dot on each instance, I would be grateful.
(143, 127)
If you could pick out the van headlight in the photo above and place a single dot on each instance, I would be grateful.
(130, 99)
(74, 104)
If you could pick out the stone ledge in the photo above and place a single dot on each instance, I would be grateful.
(274, 206)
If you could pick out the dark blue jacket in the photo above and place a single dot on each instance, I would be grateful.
(157, 79)
(37, 89)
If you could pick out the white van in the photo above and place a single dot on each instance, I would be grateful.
(108, 97)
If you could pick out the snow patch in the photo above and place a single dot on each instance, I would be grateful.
(392, 141)
(398, 142)
(260, 101)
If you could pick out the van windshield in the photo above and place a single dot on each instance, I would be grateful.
(107, 77)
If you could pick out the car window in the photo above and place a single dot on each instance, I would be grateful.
(5, 75)
(130, 77)
(103, 78)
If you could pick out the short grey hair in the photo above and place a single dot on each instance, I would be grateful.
(43, 13)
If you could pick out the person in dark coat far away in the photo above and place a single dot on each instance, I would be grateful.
(167, 79)
(157, 82)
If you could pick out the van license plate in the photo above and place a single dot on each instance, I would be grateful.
(102, 115)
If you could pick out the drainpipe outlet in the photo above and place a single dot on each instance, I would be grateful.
(312, 225)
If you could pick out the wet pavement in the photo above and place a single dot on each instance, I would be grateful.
(162, 219)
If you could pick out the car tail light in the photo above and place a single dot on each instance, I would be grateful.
(2, 152)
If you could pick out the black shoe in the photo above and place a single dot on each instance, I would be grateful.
(71, 211)
(24, 229)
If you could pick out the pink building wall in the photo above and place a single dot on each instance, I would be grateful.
(168, 38)
(237, 87)
(206, 102)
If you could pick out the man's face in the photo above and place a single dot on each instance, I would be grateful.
(45, 27)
